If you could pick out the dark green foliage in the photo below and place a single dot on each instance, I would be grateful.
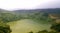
(56, 27)
(31, 32)
(41, 17)
(4, 28)
(8, 17)
(52, 32)
(43, 31)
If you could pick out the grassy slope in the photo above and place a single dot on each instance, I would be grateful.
(27, 25)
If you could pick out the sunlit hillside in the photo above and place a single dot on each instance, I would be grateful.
(27, 25)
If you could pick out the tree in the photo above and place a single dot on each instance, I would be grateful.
(4, 28)
(56, 27)
(31, 32)
(43, 31)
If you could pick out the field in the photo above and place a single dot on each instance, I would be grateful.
(27, 25)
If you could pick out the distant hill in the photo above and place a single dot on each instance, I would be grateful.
(55, 10)
(39, 14)
(32, 14)
(3, 10)
(52, 10)
(8, 16)
(49, 11)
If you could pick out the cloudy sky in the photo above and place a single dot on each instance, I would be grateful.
(29, 4)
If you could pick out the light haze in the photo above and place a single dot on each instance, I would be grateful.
(29, 4)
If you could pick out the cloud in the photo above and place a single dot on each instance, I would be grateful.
(28, 4)
(20, 4)
(49, 4)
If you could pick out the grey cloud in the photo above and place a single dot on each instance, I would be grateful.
(50, 4)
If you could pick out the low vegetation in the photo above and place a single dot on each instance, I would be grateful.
(41, 17)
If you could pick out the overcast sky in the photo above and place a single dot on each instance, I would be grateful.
(29, 4)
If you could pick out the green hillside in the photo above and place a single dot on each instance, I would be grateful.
(37, 20)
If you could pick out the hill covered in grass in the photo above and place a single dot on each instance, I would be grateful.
(37, 19)
(35, 14)
(8, 16)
